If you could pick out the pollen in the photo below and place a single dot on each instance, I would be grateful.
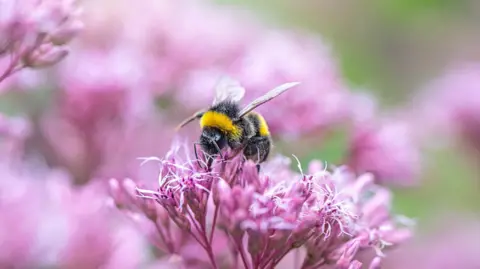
(222, 122)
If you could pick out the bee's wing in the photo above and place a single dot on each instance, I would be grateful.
(267, 97)
(195, 116)
(228, 89)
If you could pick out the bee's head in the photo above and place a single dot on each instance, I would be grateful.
(212, 140)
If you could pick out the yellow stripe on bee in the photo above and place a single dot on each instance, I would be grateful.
(222, 122)
(262, 125)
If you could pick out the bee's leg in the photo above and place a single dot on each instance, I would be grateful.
(210, 162)
(217, 148)
(196, 155)
(258, 160)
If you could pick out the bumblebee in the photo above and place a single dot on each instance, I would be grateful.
(225, 124)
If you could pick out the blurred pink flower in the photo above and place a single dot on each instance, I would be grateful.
(87, 223)
(320, 100)
(455, 244)
(176, 36)
(60, 225)
(13, 133)
(388, 148)
(47, 222)
(194, 42)
(265, 216)
(33, 33)
(98, 85)
(96, 236)
(450, 105)
(110, 150)
(19, 219)
(100, 109)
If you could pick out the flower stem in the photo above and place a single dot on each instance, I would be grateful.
(276, 261)
(167, 242)
(315, 265)
(271, 259)
(208, 248)
(211, 256)
(206, 245)
(214, 223)
(263, 253)
(242, 253)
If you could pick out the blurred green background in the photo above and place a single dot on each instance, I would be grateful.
(391, 48)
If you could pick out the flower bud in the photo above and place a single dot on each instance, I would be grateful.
(115, 191)
(349, 252)
(66, 33)
(130, 188)
(45, 55)
(355, 265)
(149, 208)
(181, 221)
(376, 263)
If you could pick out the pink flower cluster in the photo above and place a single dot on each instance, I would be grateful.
(330, 216)
(34, 33)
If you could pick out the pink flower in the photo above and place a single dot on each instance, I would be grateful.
(267, 215)
(387, 148)
(450, 105)
(33, 33)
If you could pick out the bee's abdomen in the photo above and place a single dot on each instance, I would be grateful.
(257, 148)
(259, 124)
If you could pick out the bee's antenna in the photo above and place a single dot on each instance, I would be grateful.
(195, 116)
